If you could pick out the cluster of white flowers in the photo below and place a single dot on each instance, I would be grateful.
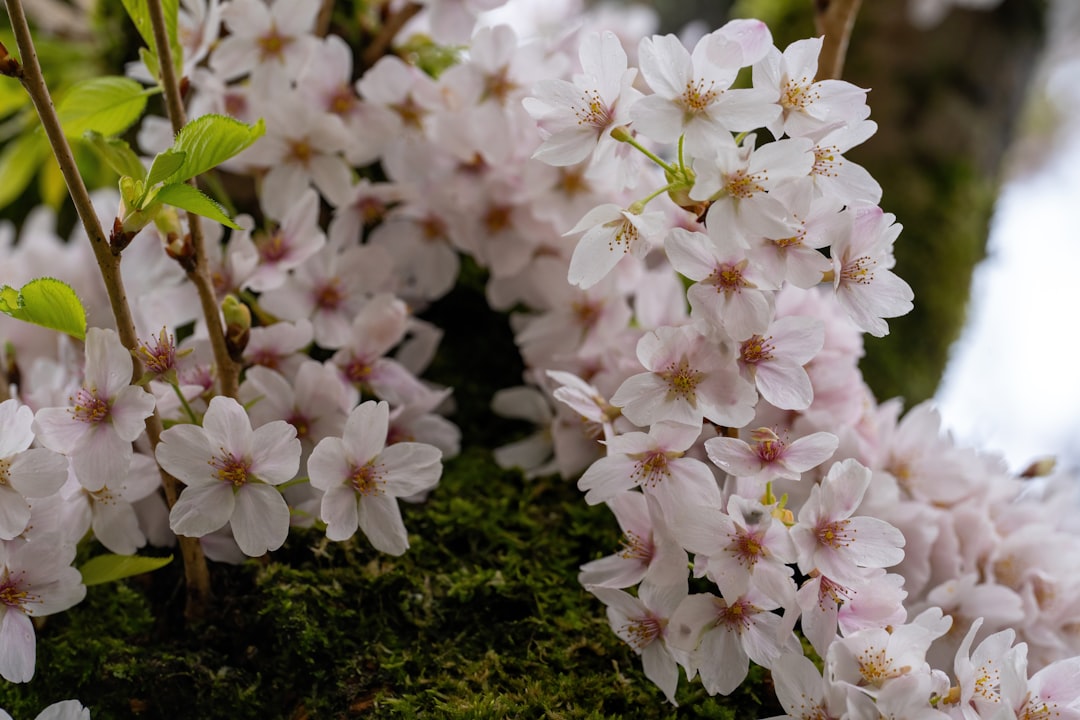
(724, 418)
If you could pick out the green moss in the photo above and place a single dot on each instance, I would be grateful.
(482, 618)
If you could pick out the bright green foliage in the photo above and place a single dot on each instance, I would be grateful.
(186, 197)
(164, 165)
(110, 568)
(46, 302)
(117, 154)
(107, 105)
(19, 162)
(140, 15)
(210, 140)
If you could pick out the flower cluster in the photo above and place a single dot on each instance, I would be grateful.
(701, 337)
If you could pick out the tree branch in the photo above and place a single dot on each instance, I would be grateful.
(834, 20)
(198, 271)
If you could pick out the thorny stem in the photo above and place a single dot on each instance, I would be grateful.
(381, 42)
(29, 74)
(834, 20)
(228, 371)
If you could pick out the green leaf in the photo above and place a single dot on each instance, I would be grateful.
(108, 105)
(117, 154)
(150, 60)
(110, 568)
(185, 197)
(165, 164)
(47, 302)
(210, 140)
(139, 13)
(19, 161)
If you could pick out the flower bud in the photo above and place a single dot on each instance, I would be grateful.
(237, 326)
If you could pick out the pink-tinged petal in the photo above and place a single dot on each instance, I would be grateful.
(129, 412)
(18, 646)
(674, 436)
(752, 37)
(665, 65)
(57, 430)
(184, 452)
(365, 430)
(694, 614)
(595, 255)
(568, 147)
(260, 521)
(116, 526)
(724, 662)
(38, 473)
(607, 477)
(108, 364)
(14, 513)
(876, 542)
(102, 459)
(228, 427)
(15, 428)
(643, 397)
(703, 529)
(410, 468)
(810, 451)
(690, 253)
(785, 386)
(526, 454)
(202, 510)
(658, 118)
(798, 685)
(733, 456)
(800, 338)
(660, 667)
(340, 513)
(329, 464)
(275, 457)
(844, 487)
(613, 571)
(380, 519)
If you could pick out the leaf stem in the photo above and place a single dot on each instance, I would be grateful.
(623, 135)
(199, 272)
(184, 404)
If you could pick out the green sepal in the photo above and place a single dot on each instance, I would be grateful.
(108, 105)
(47, 302)
(184, 196)
(110, 568)
(210, 140)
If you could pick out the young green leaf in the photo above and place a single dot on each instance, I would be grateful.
(117, 154)
(185, 197)
(165, 164)
(110, 568)
(108, 105)
(140, 15)
(47, 302)
(210, 140)
(19, 161)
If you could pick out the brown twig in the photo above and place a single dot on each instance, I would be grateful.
(322, 20)
(834, 20)
(199, 272)
(381, 42)
(29, 74)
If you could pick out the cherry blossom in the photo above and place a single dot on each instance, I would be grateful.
(105, 416)
(230, 471)
(362, 478)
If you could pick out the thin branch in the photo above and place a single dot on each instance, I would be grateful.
(29, 74)
(381, 42)
(834, 20)
(322, 20)
(198, 271)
